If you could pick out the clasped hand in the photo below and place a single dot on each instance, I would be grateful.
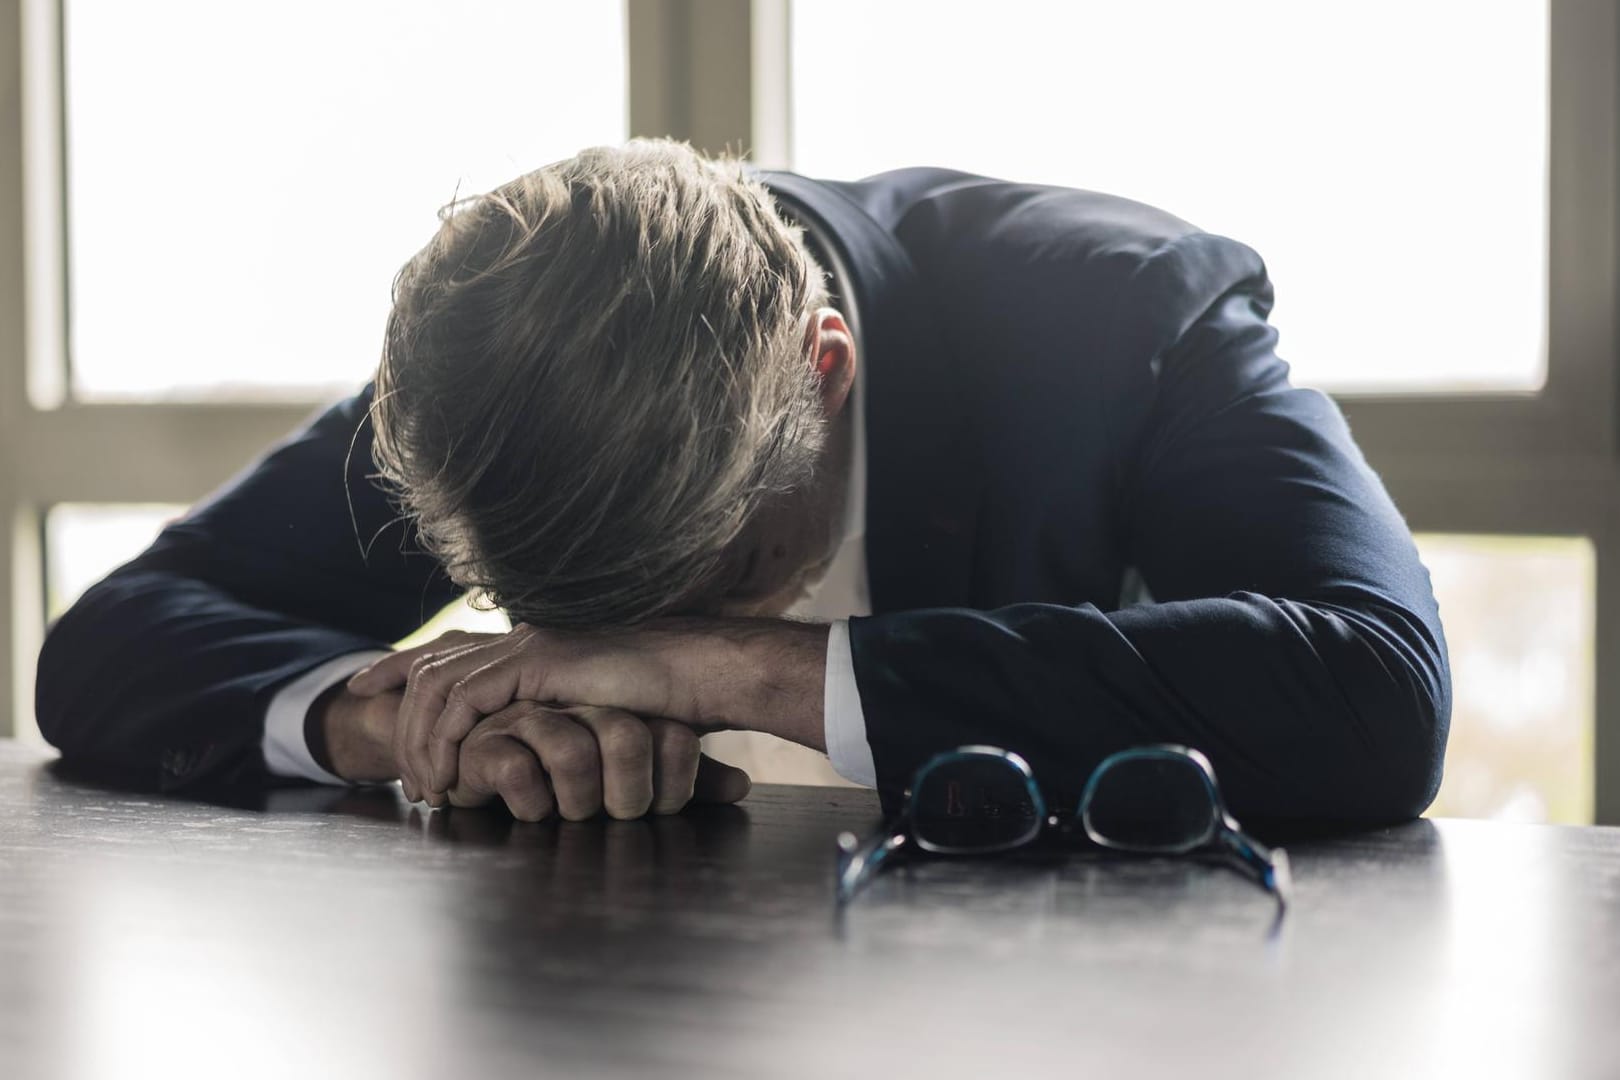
(571, 725)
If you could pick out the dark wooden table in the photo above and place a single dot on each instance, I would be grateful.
(344, 934)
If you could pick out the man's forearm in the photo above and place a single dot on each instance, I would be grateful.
(764, 675)
(711, 674)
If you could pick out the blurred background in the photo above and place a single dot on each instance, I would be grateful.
(202, 206)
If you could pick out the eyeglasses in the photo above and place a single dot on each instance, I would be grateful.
(975, 800)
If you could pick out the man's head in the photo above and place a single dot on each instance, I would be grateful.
(606, 385)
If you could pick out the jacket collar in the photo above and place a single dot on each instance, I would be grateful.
(922, 478)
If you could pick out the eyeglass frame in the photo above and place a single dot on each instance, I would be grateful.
(856, 867)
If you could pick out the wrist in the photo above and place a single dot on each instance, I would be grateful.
(352, 736)
(766, 675)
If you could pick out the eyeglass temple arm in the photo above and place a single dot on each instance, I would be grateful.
(1270, 864)
(858, 861)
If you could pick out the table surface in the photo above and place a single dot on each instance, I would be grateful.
(346, 933)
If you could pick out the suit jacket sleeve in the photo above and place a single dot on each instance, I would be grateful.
(160, 675)
(1294, 638)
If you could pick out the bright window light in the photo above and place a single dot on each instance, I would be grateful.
(245, 179)
(84, 542)
(1388, 159)
(1521, 624)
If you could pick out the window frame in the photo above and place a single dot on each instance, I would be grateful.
(717, 72)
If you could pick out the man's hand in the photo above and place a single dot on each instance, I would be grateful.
(353, 734)
(708, 674)
(580, 761)
(576, 761)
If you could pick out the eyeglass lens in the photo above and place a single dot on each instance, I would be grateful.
(1151, 803)
(972, 802)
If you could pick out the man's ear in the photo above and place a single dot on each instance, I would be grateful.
(832, 351)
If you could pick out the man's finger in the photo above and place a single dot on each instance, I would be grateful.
(513, 675)
(626, 749)
(428, 687)
(498, 764)
(567, 751)
(390, 672)
(676, 751)
(385, 673)
(412, 780)
(718, 782)
(477, 785)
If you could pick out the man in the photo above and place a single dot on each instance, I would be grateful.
(647, 403)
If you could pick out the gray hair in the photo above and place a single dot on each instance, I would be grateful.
(594, 375)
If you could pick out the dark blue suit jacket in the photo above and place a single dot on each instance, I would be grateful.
(1061, 385)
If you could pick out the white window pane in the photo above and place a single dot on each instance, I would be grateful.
(458, 616)
(84, 541)
(245, 179)
(1520, 620)
(1388, 159)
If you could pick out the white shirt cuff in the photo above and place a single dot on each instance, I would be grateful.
(285, 751)
(845, 723)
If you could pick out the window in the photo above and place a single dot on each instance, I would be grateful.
(1434, 187)
(85, 541)
(245, 180)
(216, 198)
(1519, 616)
(1388, 159)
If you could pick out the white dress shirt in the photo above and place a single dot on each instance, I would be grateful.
(842, 591)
